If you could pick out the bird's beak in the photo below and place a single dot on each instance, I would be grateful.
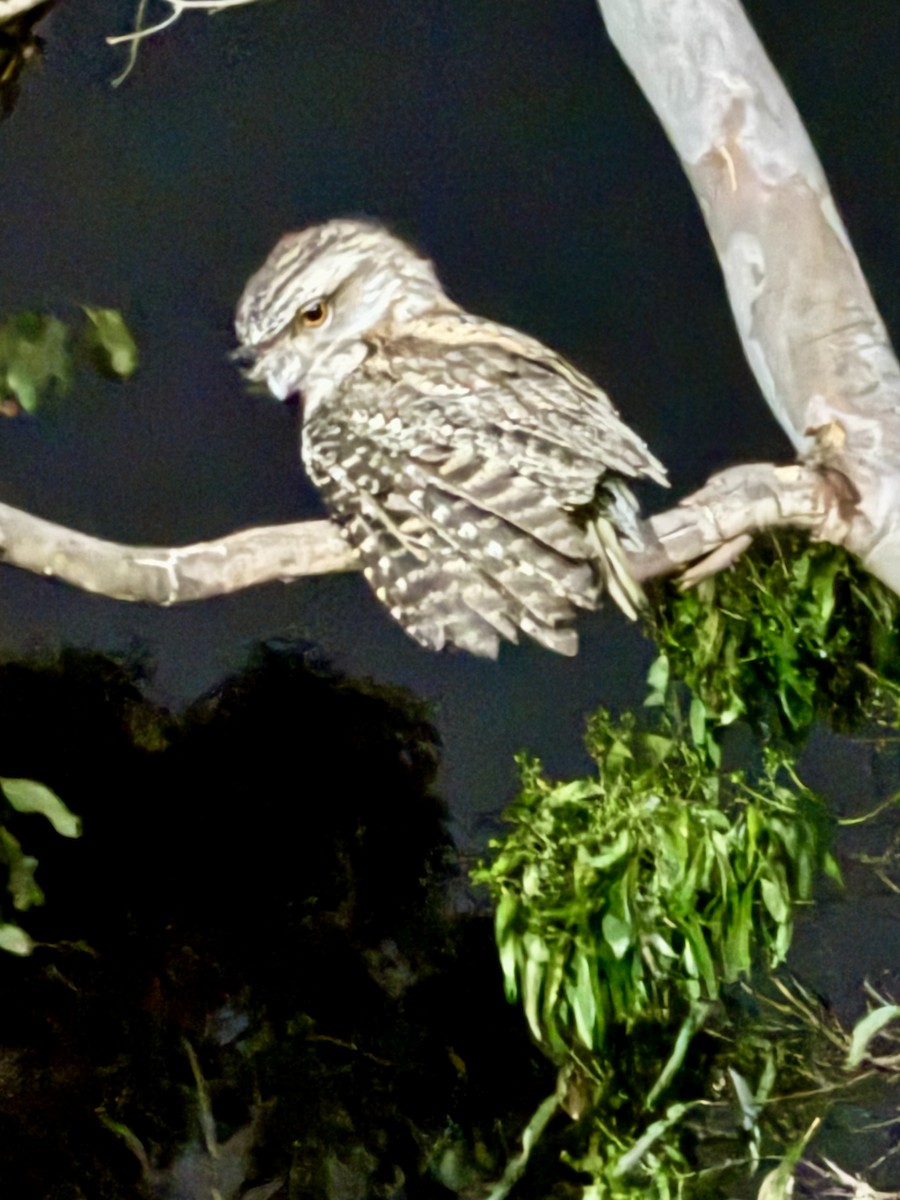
(243, 356)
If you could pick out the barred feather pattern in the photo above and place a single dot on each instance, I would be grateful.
(453, 452)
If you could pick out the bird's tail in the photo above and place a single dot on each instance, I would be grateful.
(606, 532)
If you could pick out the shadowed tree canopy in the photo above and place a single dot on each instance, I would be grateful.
(260, 880)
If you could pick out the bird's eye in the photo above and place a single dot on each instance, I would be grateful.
(312, 315)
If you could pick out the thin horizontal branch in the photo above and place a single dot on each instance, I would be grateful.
(169, 575)
(733, 504)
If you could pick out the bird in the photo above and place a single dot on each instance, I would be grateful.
(478, 476)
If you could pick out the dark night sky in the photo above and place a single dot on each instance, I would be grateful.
(506, 139)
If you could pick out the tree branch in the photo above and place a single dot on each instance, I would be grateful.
(169, 575)
(750, 497)
(710, 528)
(807, 321)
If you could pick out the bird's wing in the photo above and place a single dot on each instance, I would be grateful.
(527, 390)
(451, 478)
(449, 568)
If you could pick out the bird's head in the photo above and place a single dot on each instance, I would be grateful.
(305, 312)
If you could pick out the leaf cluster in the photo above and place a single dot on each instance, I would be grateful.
(27, 796)
(39, 353)
(635, 905)
(637, 893)
(798, 630)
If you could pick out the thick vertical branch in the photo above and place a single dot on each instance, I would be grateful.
(806, 318)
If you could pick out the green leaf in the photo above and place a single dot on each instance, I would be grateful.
(832, 869)
(535, 948)
(749, 1106)
(658, 748)
(775, 900)
(15, 940)
(551, 1004)
(739, 930)
(689, 1027)
(698, 960)
(657, 682)
(533, 1130)
(784, 935)
(507, 910)
(698, 721)
(618, 757)
(779, 1184)
(574, 792)
(618, 933)
(109, 342)
(672, 854)
(22, 885)
(584, 1004)
(605, 859)
(26, 796)
(658, 675)
(868, 1028)
(508, 961)
(34, 358)
(652, 1134)
(532, 985)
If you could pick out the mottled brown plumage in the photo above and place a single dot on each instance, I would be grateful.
(450, 450)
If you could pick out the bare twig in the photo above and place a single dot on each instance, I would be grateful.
(141, 31)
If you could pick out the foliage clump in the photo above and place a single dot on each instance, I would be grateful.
(635, 893)
(26, 796)
(796, 631)
(644, 914)
(39, 354)
(245, 974)
(629, 906)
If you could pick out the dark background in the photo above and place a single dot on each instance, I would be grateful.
(508, 141)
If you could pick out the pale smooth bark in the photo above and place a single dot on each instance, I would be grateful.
(710, 526)
(171, 574)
